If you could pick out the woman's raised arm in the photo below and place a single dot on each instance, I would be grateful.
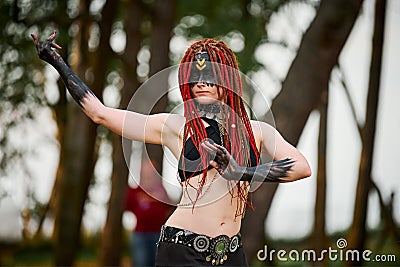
(145, 128)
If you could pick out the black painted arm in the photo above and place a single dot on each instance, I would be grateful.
(225, 164)
(74, 84)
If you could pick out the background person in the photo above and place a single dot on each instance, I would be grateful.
(148, 202)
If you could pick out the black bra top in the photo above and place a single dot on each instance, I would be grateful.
(191, 155)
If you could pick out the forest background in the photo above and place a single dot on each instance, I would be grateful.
(326, 70)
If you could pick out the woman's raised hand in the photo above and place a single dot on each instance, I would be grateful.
(45, 50)
(76, 87)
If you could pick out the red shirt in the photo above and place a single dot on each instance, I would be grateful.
(151, 213)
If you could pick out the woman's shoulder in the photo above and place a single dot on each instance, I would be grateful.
(175, 120)
(262, 130)
(172, 123)
(169, 119)
(261, 126)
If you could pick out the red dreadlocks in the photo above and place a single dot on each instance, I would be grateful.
(237, 124)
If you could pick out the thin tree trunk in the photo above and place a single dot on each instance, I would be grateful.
(74, 185)
(357, 234)
(112, 239)
(77, 151)
(60, 117)
(60, 110)
(319, 236)
(162, 25)
(308, 76)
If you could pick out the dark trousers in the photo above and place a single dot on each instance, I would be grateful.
(171, 254)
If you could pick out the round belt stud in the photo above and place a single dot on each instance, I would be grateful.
(201, 243)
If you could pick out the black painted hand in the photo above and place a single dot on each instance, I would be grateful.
(225, 164)
(76, 87)
(223, 161)
(45, 50)
(277, 170)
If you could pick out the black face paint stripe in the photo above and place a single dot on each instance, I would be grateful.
(202, 70)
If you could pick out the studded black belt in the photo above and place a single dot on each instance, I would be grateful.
(216, 249)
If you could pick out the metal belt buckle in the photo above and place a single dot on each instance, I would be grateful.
(217, 247)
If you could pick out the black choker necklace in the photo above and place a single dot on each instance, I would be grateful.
(210, 111)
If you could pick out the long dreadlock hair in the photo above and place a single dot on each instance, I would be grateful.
(236, 123)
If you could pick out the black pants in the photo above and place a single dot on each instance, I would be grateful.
(171, 254)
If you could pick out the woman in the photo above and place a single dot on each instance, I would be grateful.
(218, 148)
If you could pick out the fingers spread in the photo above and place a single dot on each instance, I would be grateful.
(34, 37)
(56, 46)
(53, 36)
(36, 41)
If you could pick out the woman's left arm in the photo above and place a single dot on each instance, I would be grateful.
(288, 163)
(280, 149)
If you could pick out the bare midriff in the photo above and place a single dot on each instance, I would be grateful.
(214, 211)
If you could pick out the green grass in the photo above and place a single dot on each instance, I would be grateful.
(41, 253)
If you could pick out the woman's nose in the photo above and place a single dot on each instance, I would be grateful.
(201, 83)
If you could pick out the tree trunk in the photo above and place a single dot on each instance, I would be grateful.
(319, 236)
(59, 116)
(307, 78)
(77, 151)
(112, 239)
(74, 184)
(80, 137)
(357, 234)
(162, 25)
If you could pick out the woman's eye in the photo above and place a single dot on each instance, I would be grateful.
(208, 73)
(195, 75)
